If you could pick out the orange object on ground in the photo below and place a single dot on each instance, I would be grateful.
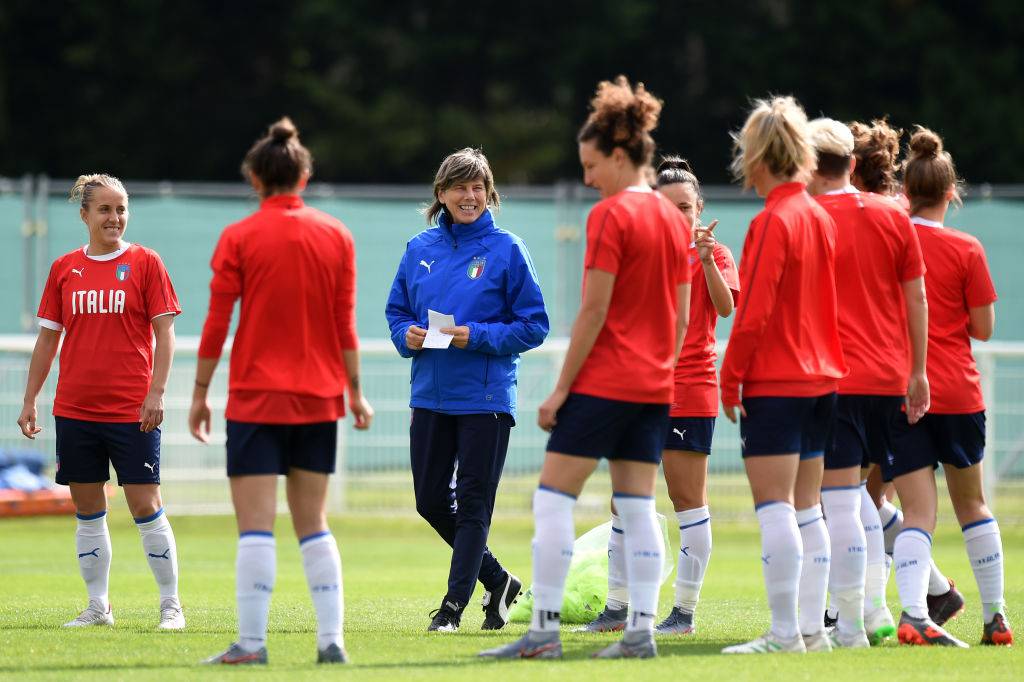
(46, 502)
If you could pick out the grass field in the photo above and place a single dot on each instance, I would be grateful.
(395, 570)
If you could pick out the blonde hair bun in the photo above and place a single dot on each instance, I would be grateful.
(831, 137)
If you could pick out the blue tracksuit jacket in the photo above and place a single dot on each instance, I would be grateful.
(483, 276)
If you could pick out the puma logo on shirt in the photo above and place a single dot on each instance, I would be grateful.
(427, 265)
(78, 271)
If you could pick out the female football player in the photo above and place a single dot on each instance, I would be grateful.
(880, 288)
(784, 353)
(961, 300)
(112, 300)
(295, 355)
(614, 392)
(714, 291)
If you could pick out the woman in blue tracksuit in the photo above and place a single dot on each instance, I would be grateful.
(464, 396)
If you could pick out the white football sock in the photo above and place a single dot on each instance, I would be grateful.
(256, 568)
(814, 569)
(618, 592)
(553, 537)
(937, 583)
(848, 566)
(985, 551)
(912, 552)
(645, 555)
(876, 570)
(781, 558)
(892, 523)
(92, 541)
(322, 565)
(694, 555)
(161, 552)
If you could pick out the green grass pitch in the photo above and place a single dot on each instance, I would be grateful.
(395, 570)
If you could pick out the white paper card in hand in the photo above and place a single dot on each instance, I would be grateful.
(435, 322)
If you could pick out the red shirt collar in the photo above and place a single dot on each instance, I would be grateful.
(284, 201)
(782, 191)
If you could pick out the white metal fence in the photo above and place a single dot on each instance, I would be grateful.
(373, 465)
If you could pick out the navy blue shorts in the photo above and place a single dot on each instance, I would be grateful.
(588, 426)
(84, 449)
(690, 433)
(781, 426)
(954, 439)
(863, 430)
(255, 449)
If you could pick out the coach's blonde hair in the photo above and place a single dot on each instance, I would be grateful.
(81, 192)
(776, 135)
(462, 166)
(929, 171)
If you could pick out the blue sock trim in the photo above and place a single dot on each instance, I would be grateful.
(695, 523)
(841, 487)
(922, 531)
(255, 533)
(758, 507)
(627, 496)
(556, 491)
(807, 523)
(975, 524)
(91, 517)
(314, 536)
(151, 517)
(891, 521)
(617, 530)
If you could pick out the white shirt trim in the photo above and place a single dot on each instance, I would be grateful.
(169, 312)
(50, 324)
(849, 189)
(918, 220)
(643, 189)
(106, 256)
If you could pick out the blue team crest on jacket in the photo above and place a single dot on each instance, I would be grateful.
(476, 268)
(122, 272)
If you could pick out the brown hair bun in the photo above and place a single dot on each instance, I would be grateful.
(622, 116)
(925, 144)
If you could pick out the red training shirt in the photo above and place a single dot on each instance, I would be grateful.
(294, 268)
(641, 238)
(877, 250)
(957, 280)
(105, 305)
(696, 383)
(785, 341)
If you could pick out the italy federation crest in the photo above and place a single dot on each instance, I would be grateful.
(122, 272)
(476, 268)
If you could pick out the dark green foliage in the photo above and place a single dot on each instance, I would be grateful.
(383, 90)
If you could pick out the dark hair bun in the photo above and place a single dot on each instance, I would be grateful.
(925, 144)
(283, 130)
(675, 163)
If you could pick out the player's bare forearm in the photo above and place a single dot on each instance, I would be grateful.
(163, 354)
(42, 360)
(205, 367)
(682, 315)
(721, 295)
(351, 358)
(917, 323)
